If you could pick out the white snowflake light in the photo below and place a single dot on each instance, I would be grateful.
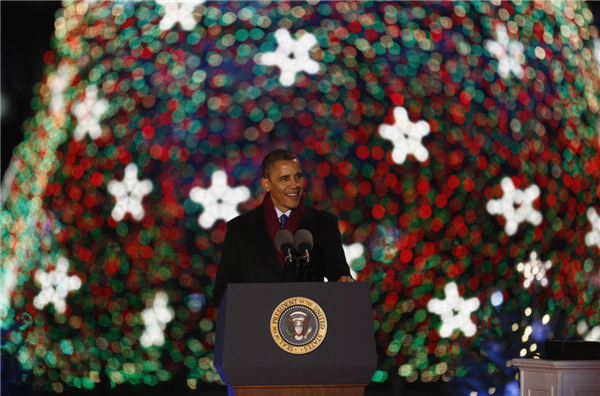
(291, 56)
(353, 252)
(129, 194)
(593, 334)
(155, 321)
(593, 237)
(587, 333)
(405, 136)
(181, 12)
(534, 270)
(454, 311)
(58, 83)
(516, 206)
(88, 113)
(56, 285)
(507, 52)
(219, 200)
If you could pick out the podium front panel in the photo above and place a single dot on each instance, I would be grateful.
(247, 354)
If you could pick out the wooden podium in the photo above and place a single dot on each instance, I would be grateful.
(253, 358)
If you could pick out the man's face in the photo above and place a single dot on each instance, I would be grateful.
(285, 183)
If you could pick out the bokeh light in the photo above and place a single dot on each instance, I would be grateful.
(452, 140)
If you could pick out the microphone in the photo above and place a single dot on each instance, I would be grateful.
(285, 243)
(303, 240)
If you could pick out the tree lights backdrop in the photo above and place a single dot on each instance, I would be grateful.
(457, 143)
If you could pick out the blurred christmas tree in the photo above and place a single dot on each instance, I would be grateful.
(456, 141)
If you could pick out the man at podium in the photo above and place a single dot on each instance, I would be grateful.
(250, 254)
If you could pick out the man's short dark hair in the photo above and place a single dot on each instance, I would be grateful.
(276, 155)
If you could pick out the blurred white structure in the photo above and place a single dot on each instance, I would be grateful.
(55, 286)
(534, 270)
(508, 52)
(291, 56)
(129, 194)
(353, 252)
(406, 136)
(155, 321)
(454, 311)
(497, 298)
(59, 82)
(593, 237)
(516, 206)
(88, 113)
(219, 200)
(587, 333)
(181, 12)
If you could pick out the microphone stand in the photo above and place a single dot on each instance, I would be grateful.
(297, 266)
(291, 261)
(301, 265)
(305, 266)
(289, 258)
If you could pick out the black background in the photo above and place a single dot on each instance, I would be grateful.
(26, 28)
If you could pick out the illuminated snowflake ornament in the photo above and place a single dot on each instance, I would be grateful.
(405, 136)
(593, 334)
(155, 321)
(516, 206)
(181, 12)
(58, 83)
(588, 334)
(507, 52)
(534, 270)
(454, 311)
(88, 113)
(55, 285)
(593, 237)
(219, 200)
(129, 194)
(291, 56)
(353, 252)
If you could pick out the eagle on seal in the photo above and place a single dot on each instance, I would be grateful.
(295, 328)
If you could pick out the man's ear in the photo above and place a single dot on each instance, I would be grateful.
(264, 182)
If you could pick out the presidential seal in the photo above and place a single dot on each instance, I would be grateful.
(298, 325)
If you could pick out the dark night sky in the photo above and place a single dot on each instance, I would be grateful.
(25, 31)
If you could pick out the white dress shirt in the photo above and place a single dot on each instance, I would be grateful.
(279, 213)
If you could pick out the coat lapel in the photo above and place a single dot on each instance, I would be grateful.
(307, 220)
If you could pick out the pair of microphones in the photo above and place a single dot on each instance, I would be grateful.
(301, 242)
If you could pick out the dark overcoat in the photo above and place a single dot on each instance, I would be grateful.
(249, 255)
